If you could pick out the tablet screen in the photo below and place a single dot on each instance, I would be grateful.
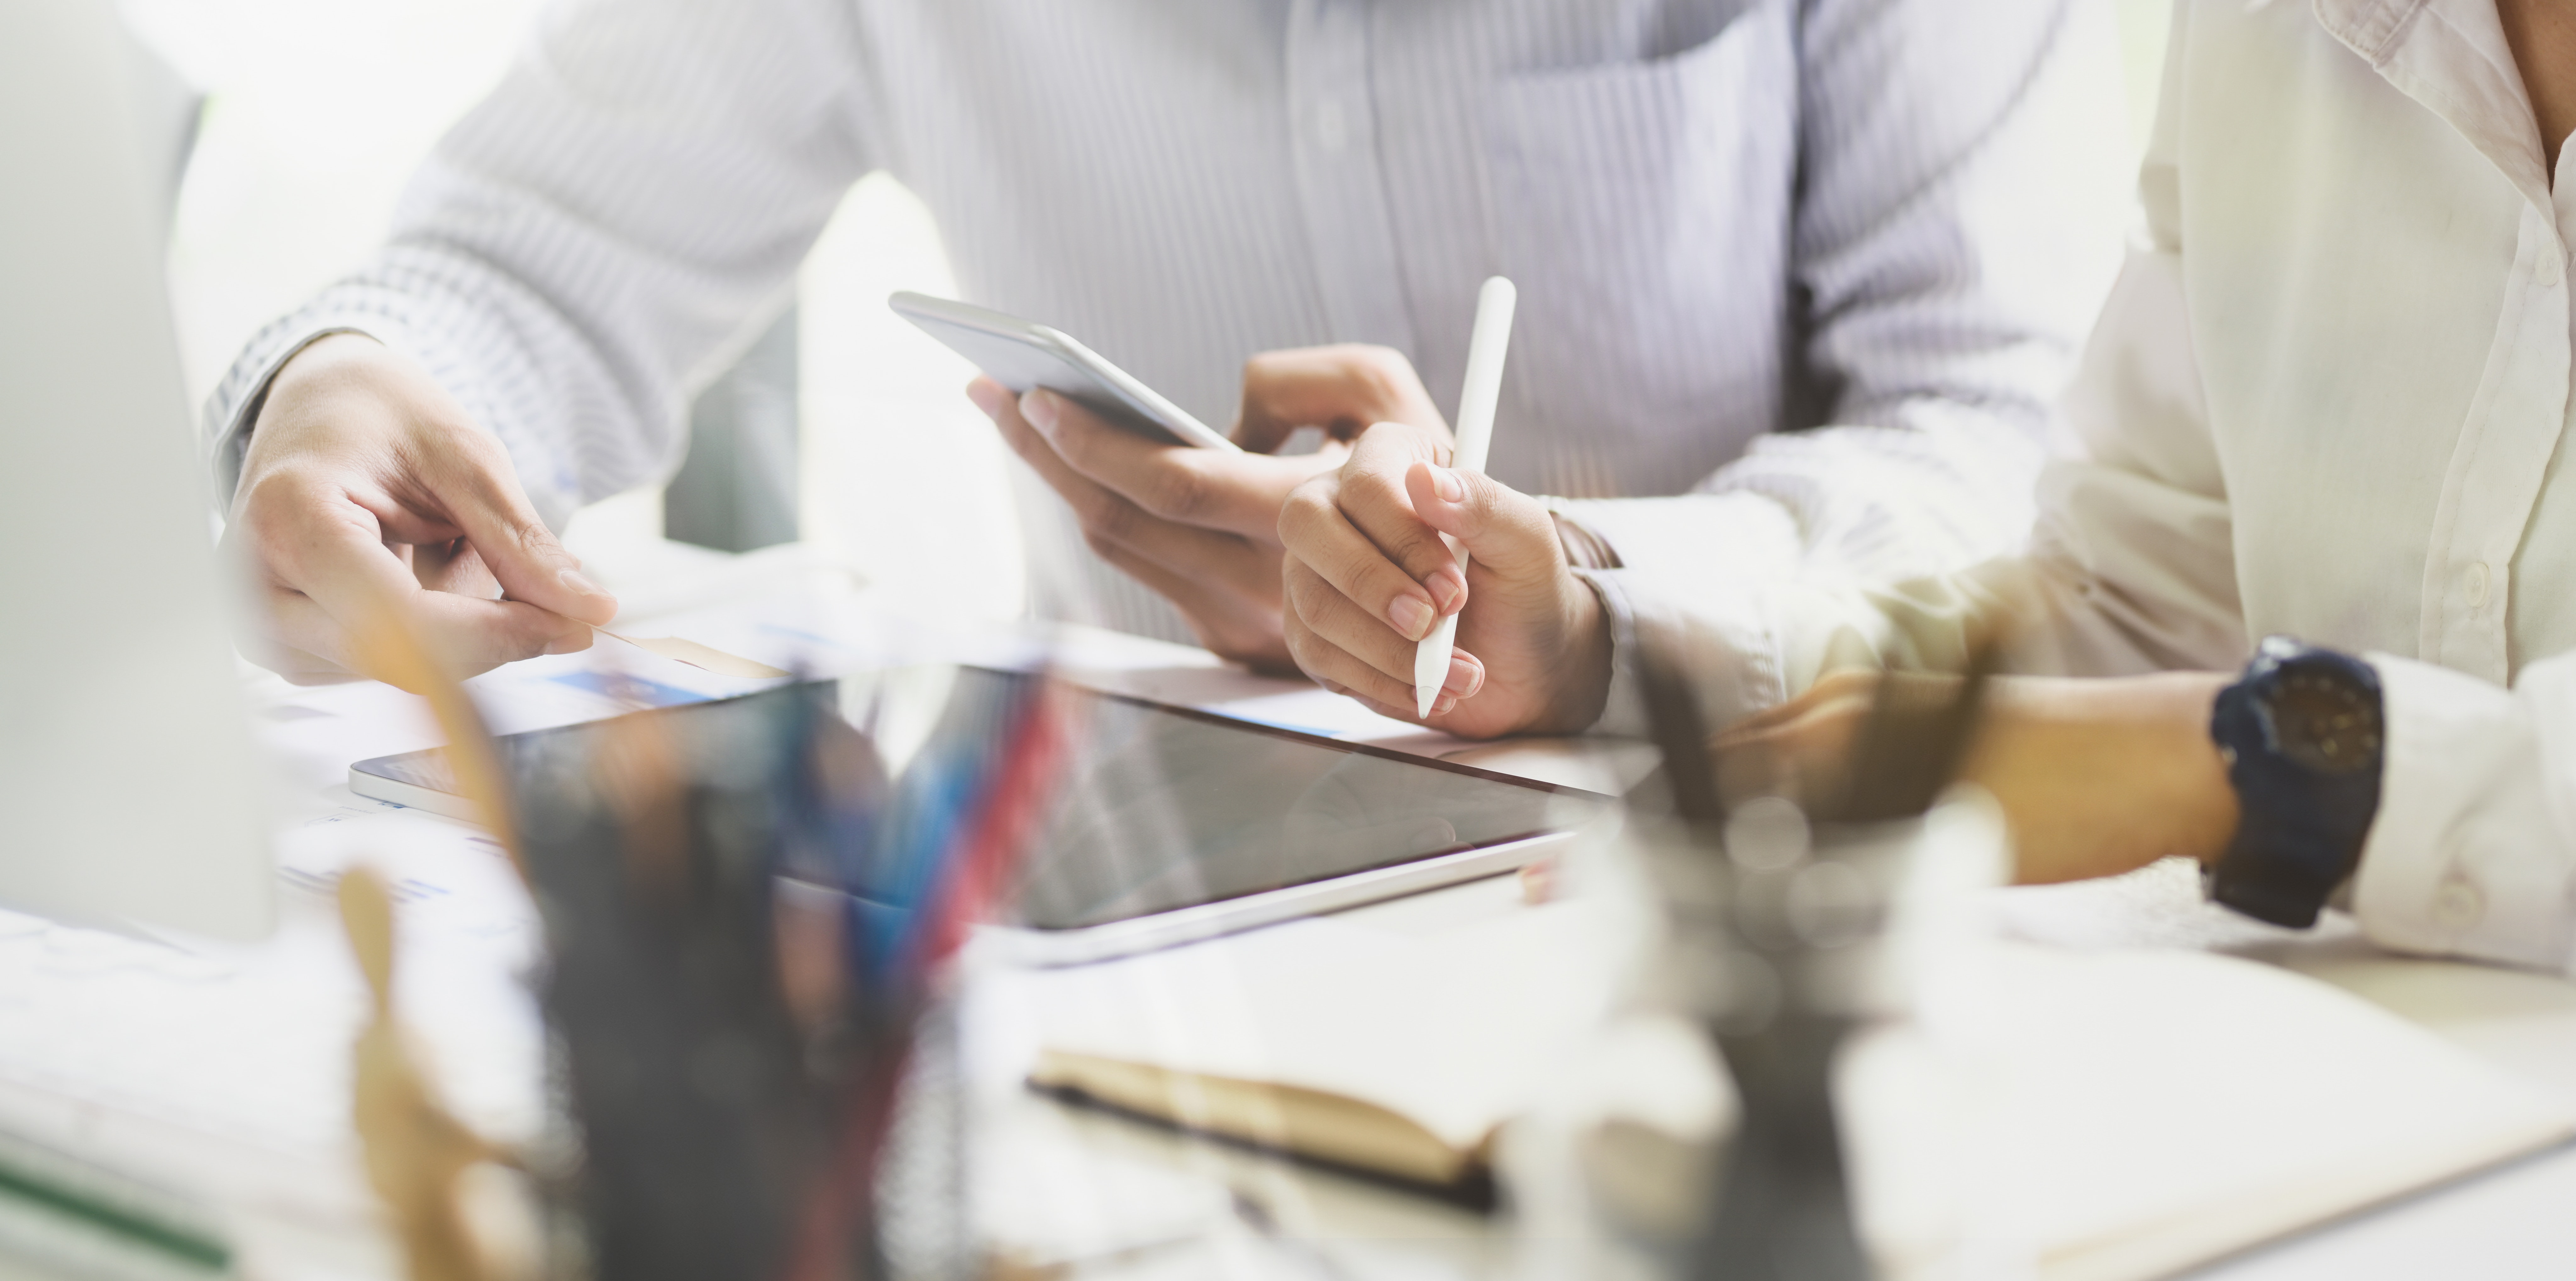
(1156, 807)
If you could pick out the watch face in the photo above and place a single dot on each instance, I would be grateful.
(2322, 722)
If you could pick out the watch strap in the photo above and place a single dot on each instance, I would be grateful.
(2299, 833)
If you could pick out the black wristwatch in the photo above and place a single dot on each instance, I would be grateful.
(2302, 734)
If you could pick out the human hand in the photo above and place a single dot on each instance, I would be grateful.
(366, 483)
(2096, 777)
(1201, 526)
(1368, 575)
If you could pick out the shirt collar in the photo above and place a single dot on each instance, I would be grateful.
(2451, 56)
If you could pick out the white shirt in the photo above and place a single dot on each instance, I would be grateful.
(2329, 399)
(1726, 218)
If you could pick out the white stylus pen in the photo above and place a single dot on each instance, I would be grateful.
(1493, 333)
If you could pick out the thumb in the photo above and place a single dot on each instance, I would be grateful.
(1342, 389)
(482, 496)
(1507, 532)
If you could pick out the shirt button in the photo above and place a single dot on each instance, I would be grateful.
(1332, 129)
(2473, 585)
(2457, 905)
(2551, 266)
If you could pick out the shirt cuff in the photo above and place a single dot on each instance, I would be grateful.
(2465, 857)
(1624, 711)
(1688, 577)
(1717, 634)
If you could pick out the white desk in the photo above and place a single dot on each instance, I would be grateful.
(2509, 1222)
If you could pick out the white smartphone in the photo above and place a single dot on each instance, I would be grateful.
(1170, 824)
(1022, 355)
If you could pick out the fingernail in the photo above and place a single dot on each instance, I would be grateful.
(576, 584)
(1411, 616)
(1445, 706)
(1462, 677)
(1039, 407)
(1446, 484)
(1447, 588)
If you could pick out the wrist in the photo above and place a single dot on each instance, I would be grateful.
(328, 373)
(1581, 688)
(2215, 812)
(1580, 545)
(2302, 733)
(327, 365)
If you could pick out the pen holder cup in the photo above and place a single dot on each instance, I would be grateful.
(728, 1072)
(1720, 1152)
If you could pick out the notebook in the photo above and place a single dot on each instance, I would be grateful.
(2090, 1115)
(2119, 1115)
(1400, 1057)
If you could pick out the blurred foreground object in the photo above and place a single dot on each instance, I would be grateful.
(736, 1023)
(117, 655)
(460, 1215)
(1915, 1095)
(735, 1020)
(1775, 921)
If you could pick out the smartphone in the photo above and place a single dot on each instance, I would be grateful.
(1170, 824)
(1023, 355)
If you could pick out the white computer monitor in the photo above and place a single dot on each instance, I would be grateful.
(129, 791)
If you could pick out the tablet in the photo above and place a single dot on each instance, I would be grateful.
(1169, 824)
(1021, 355)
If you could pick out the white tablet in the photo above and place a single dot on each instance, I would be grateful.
(1022, 355)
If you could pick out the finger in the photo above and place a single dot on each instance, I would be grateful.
(331, 568)
(1336, 620)
(1375, 500)
(470, 476)
(470, 636)
(1338, 670)
(1315, 532)
(1224, 621)
(451, 567)
(1112, 524)
(1341, 389)
(1237, 493)
(1224, 586)
(1505, 531)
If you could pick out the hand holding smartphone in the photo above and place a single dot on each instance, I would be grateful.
(1022, 356)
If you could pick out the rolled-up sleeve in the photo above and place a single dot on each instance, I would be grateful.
(2473, 852)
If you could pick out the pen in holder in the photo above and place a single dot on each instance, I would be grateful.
(736, 1022)
(1775, 916)
(732, 1019)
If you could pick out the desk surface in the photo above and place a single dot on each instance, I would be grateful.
(1243, 1215)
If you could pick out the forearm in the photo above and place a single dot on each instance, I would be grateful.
(579, 250)
(515, 374)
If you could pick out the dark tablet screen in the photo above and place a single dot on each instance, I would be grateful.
(1154, 808)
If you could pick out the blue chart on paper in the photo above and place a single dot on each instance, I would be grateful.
(631, 691)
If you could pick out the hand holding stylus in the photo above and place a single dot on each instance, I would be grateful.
(1375, 567)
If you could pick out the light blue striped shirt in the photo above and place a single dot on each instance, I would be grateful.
(1820, 265)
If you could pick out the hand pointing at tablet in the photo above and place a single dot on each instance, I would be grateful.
(1201, 527)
